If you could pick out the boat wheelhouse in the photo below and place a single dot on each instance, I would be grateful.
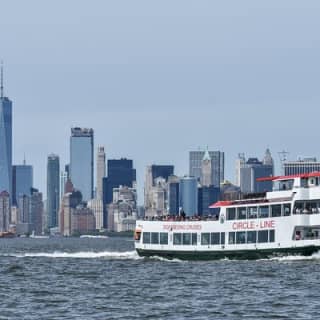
(282, 222)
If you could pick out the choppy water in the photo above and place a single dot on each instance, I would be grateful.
(105, 279)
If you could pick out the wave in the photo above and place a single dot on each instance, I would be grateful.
(93, 237)
(115, 255)
(165, 259)
(314, 256)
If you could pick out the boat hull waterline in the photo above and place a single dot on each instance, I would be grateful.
(231, 255)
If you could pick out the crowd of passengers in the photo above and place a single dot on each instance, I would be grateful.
(306, 210)
(183, 217)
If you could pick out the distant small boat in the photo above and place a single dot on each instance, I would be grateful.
(32, 235)
(93, 237)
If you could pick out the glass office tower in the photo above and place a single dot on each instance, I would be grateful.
(81, 161)
(53, 190)
(5, 142)
(189, 195)
(22, 178)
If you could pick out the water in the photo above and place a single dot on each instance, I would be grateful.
(105, 279)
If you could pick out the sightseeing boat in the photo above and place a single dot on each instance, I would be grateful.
(285, 221)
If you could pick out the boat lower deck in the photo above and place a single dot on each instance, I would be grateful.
(233, 255)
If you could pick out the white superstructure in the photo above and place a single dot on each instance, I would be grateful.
(284, 221)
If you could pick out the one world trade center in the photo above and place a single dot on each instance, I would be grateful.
(5, 141)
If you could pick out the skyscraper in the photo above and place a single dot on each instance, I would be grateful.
(173, 195)
(81, 161)
(68, 204)
(22, 181)
(217, 165)
(53, 192)
(36, 211)
(188, 191)
(63, 181)
(120, 173)
(207, 195)
(23, 225)
(250, 172)
(5, 141)
(101, 171)
(206, 170)
(240, 162)
(155, 189)
(4, 211)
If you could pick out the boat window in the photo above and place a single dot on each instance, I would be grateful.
(223, 238)
(163, 238)
(177, 238)
(215, 238)
(304, 183)
(276, 210)
(263, 236)
(241, 237)
(242, 213)
(186, 238)
(232, 236)
(306, 207)
(251, 236)
(205, 239)
(271, 236)
(231, 213)
(264, 212)
(252, 212)
(154, 238)
(287, 209)
(298, 207)
(194, 237)
(286, 185)
(146, 237)
(314, 207)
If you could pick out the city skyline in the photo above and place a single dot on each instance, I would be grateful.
(225, 90)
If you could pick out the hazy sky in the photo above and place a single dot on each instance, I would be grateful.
(156, 79)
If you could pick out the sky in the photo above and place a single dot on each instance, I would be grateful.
(156, 79)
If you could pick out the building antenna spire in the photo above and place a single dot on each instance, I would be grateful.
(1, 87)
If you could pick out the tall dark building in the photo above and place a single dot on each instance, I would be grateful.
(163, 171)
(5, 141)
(250, 172)
(206, 197)
(22, 181)
(120, 173)
(81, 161)
(173, 198)
(53, 190)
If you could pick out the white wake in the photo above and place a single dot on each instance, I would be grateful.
(315, 256)
(116, 255)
